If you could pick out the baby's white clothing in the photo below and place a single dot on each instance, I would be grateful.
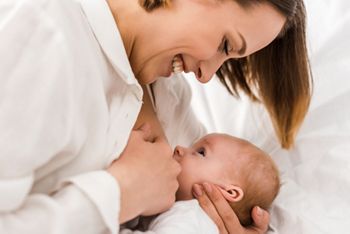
(185, 217)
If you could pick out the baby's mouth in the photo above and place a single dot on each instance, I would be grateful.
(178, 64)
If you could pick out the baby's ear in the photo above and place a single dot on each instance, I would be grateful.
(232, 193)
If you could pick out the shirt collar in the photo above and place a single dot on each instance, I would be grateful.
(108, 36)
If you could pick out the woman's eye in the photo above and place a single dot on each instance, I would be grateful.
(226, 48)
(201, 151)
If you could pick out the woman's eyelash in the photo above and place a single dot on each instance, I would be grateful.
(226, 46)
(201, 151)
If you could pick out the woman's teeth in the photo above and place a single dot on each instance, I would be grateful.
(177, 64)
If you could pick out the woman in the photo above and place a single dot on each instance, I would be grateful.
(71, 72)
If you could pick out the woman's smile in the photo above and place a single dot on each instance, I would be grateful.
(177, 64)
(160, 51)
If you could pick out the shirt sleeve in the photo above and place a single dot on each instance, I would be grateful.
(36, 114)
(80, 206)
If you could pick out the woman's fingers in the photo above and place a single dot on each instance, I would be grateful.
(261, 219)
(227, 215)
(209, 207)
(145, 129)
(219, 210)
(146, 132)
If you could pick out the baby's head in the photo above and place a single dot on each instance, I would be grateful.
(245, 175)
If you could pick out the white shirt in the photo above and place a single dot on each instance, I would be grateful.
(68, 101)
(185, 217)
(173, 107)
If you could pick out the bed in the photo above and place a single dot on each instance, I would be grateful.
(314, 196)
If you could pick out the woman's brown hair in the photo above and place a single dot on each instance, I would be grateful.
(278, 75)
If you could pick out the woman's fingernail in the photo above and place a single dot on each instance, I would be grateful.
(207, 187)
(259, 211)
(197, 190)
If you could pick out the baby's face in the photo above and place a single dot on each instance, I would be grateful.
(211, 159)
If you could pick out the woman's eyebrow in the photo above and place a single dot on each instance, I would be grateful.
(243, 48)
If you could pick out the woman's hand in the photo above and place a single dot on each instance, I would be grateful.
(218, 209)
(146, 172)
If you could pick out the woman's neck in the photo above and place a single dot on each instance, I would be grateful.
(126, 14)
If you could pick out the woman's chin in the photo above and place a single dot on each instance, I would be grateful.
(145, 78)
(166, 74)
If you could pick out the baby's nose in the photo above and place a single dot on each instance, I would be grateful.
(179, 151)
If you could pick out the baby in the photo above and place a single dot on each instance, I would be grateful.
(246, 176)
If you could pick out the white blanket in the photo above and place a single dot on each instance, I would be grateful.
(314, 197)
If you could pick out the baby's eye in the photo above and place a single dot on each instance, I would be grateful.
(201, 151)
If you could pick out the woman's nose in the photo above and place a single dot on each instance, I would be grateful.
(208, 68)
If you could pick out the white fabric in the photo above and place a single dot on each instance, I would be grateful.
(68, 101)
(173, 107)
(80, 126)
(185, 217)
(314, 197)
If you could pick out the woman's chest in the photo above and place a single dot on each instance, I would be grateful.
(105, 110)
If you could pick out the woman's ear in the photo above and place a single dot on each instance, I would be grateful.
(232, 193)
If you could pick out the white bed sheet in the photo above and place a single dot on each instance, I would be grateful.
(315, 192)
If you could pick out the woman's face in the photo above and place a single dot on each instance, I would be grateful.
(204, 33)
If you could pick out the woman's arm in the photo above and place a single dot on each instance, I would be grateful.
(37, 128)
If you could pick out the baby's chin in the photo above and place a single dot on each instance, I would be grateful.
(184, 194)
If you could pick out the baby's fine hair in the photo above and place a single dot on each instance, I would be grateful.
(260, 183)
